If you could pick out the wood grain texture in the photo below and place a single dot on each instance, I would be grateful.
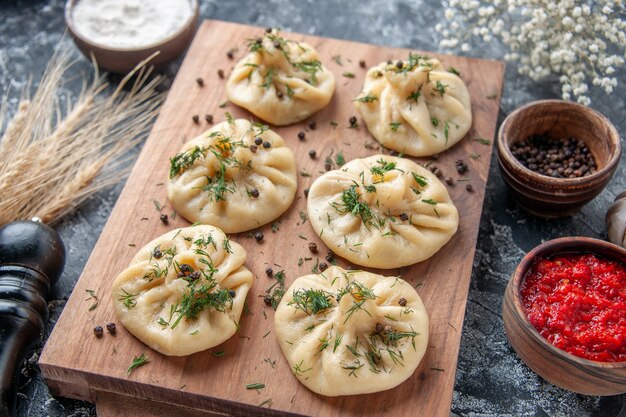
(551, 363)
(77, 364)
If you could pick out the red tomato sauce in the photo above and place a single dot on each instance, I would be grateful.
(578, 303)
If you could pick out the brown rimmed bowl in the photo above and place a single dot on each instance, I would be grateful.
(551, 363)
(123, 60)
(546, 196)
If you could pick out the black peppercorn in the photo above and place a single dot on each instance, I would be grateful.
(184, 268)
(449, 180)
(208, 118)
(194, 275)
(230, 54)
(399, 64)
(404, 217)
(267, 145)
(323, 266)
(362, 64)
(306, 192)
(469, 187)
(157, 254)
(253, 148)
(111, 328)
(328, 166)
(279, 94)
(301, 135)
(259, 41)
(254, 193)
(277, 45)
(352, 121)
(220, 73)
(164, 218)
(98, 331)
(232, 293)
(267, 299)
(558, 158)
(379, 328)
(258, 236)
(461, 166)
(258, 141)
(312, 154)
(268, 30)
(312, 125)
(402, 302)
(195, 118)
(313, 247)
(200, 81)
(269, 271)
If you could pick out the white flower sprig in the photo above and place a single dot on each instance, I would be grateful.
(579, 41)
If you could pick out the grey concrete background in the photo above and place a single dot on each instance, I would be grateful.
(491, 380)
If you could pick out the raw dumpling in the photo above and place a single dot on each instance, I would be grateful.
(281, 81)
(184, 291)
(382, 212)
(419, 109)
(237, 176)
(351, 332)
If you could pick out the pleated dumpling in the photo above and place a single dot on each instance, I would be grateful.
(418, 108)
(236, 176)
(184, 291)
(279, 80)
(351, 332)
(382, 212)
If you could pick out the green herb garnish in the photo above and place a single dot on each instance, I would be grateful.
(339, 159)
(421, 181)
(440, 88)
(311, 301)
(128, 299)
(369, 98)
(482, 141)
(184, 160)
(137, 362)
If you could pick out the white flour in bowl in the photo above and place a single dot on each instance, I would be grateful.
(129, 24)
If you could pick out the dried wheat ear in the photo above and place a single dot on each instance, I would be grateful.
(52, 159)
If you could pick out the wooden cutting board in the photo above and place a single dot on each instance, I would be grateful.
(77, 364)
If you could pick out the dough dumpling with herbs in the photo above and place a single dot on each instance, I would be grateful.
(184, 291)
(280, 80)
(351, 332)
(382, 212)
(237, 176)
(415, 107)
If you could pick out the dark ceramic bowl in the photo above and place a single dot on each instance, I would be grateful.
(556, 197)
(123, 60)
(551, 363)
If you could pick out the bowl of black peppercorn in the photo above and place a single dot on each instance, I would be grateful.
(556, 156)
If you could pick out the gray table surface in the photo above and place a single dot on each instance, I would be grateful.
(490, 379)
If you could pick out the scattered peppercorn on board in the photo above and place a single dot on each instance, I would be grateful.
(77, 364)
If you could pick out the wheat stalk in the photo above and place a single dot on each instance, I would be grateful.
(51, 160)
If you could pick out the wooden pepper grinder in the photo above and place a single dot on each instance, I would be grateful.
(32, 257)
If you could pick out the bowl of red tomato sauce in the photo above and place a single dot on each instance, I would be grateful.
(564, 313)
